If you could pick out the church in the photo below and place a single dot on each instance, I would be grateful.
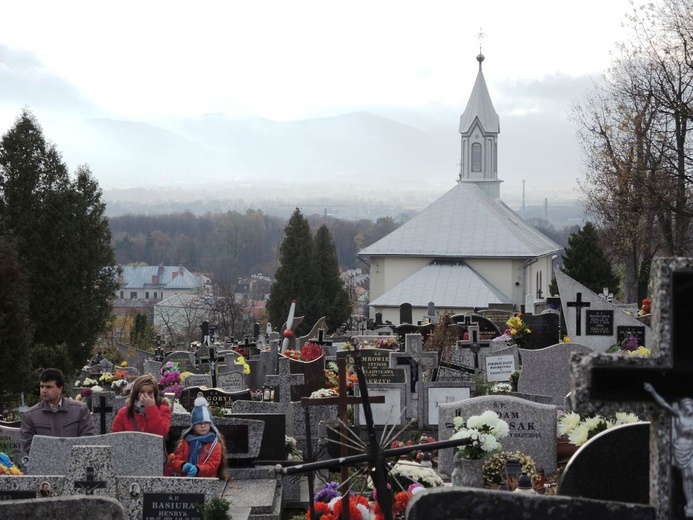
(467, 249)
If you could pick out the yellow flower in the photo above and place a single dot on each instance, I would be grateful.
(529, 331)
(513, 332)
(240, 360)
(124, 364)
(566, 339)
(246, 368)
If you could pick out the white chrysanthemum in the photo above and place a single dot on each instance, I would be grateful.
(489, 443)
(458, 422)
(97, 388)
(414, 472)
(488, 418)
(461, 434)
(501, 429)
(332, 502)
(593, 422)
(625, 418)
(579, 434)
(474, 435)
(568, 422)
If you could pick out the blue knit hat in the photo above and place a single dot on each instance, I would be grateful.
(201, 414)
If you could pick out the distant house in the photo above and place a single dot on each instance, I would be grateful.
(467, 249)
(142, 286)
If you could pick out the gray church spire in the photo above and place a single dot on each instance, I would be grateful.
(479, 128)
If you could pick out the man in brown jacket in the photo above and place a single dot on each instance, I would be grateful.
(55, 415)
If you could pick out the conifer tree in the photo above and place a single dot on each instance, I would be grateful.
(584, 260)
(62, 242)
(295, 276)
(332, 296)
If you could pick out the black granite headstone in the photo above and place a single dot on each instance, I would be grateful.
(214, 396)
(273, 441)
(405, 313)
(376, 366)
(626, 478)
(544, 327)
(624, 332)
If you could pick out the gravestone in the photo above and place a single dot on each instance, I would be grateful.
(184, 360)
(499, 317)
(313, 373)
(532, 427)
(545, 329)
(499, 363)
(626, 477)
(198, 380)
(376, 365)
(547, 371)
(103, 409)
(460, 503)
(243, 436)
(487, 328)
(405, 313)
(657, 386)
(593, 321)
(10, 438)
(131, 453)
(231, 382)
(273, 441)
(436, 393)
(392, 411)
(214, 396)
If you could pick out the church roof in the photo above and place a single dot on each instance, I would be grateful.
(449, 285)
(480, 106)
(464, 223)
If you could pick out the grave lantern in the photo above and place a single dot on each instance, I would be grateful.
(513, 467)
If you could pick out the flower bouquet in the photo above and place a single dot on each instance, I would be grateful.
(7, 467)
(484, 431)
(579, 429)
(388, 343)
(518, 331)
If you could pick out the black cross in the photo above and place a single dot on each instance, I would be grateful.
(671, 383)
(579, 304)
(102, 410)
(89, 485)
(213, 365)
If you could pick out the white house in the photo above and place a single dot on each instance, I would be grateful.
(467, 249)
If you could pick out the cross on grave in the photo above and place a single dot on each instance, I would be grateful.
(89, 485)
(213, 359)
(102, 410)
(284, 380)
(376, 457)
(578, 304)
(343, 400)
(666, 379)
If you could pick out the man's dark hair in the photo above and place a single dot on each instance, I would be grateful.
(53, 374)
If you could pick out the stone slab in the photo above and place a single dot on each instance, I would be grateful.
(546, 371)
(134, 453)
(438, 392)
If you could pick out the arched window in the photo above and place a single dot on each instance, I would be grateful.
(476, 157)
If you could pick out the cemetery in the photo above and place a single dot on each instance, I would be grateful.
(305, 418)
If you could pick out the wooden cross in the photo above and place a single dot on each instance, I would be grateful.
(102, 410)
(89, 485)
(668, 377)
(343, 401)
(578, 304)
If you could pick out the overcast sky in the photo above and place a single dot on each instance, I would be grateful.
(155, 61)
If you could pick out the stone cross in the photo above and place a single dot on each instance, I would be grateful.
(102, 410)
(601, 380)
(284, 380)
(578, 304)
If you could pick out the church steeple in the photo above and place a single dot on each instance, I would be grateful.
(479, 128)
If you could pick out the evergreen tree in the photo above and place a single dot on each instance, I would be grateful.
(584, 260)
(15, 333)
(63, 245)
(332, 296)
(295, 276)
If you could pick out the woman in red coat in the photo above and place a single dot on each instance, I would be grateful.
(201, 451)
(147, 411)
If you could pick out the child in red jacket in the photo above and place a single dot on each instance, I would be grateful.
(201, 451)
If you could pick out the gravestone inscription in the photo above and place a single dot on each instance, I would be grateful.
(600, 322)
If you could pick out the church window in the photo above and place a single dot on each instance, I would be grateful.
(476, 157)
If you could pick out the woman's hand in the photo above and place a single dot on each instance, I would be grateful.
(146, 400)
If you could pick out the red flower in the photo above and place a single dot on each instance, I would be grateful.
(322, 509)
(354, 513)
(310, 351)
